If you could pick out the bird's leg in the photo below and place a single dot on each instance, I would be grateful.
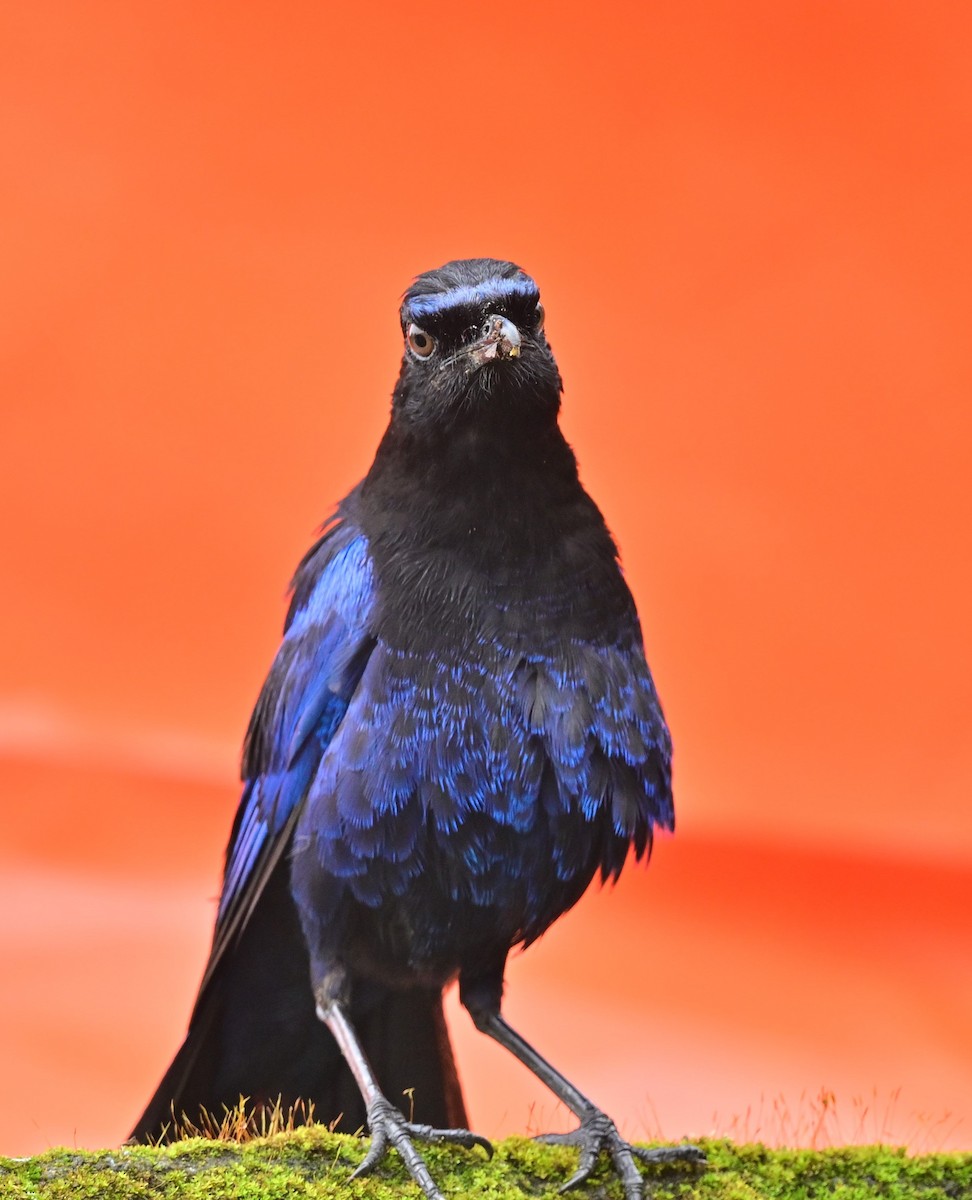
(387, 1125)
(596, 1131)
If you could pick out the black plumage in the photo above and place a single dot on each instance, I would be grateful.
(458, 733)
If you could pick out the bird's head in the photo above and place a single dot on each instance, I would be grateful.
(475, 344)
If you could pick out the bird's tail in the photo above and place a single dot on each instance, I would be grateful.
(254, 1033)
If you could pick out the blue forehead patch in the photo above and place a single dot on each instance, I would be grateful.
(478, 295)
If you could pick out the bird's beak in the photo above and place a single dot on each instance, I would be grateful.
(500, 338)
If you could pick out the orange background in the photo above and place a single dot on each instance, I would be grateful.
(750, 223)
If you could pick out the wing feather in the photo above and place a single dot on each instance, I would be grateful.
(325, 648)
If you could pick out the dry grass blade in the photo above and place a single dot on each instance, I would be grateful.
(243, 1122)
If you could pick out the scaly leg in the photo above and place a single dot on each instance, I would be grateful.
(386, 1123)
(596, 1131)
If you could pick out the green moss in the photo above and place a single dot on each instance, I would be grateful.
(312, 1164)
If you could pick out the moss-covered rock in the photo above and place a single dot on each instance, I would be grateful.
(312, 1164)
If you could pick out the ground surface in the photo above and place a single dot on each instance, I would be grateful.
(315, 1165)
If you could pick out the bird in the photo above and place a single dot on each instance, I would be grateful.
(458, 733)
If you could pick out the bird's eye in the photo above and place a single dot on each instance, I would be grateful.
(539, 316)
(420, 343)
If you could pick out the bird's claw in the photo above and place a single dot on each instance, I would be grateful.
(598, 1132)
(661, 1155)
(389, 1128)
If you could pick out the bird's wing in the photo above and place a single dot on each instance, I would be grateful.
(317, 668)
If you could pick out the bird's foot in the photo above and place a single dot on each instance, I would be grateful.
(598, 1132)
(389, 1128)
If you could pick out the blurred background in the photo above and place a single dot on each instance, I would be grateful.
(750, 224)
